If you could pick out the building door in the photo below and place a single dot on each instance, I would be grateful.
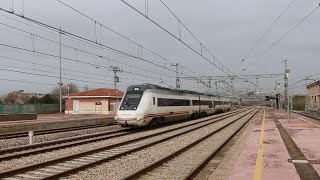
(76, 106)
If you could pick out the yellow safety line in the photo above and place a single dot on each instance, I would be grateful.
(309, 122)
(258, 168)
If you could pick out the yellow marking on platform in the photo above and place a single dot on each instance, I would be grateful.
(309, 122)
(258, 168)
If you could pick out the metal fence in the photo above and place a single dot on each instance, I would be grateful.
(29, 108)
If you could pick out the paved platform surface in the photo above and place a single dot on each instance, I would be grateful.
(54, 121)
(274, 148)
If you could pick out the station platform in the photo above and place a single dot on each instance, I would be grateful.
(54, 121)
(272, 146)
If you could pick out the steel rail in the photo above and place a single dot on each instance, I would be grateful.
(110, 147)
(50, 131)
(160, 162)
(209, 158)
(20, 151)
(64, 173)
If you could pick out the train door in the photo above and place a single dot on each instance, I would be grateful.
(154, 101)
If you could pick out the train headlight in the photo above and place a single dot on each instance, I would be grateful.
(135, 107)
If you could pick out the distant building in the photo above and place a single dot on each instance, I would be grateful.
(97, 101)
(313, 96)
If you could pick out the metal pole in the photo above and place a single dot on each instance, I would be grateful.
(286, 87)
(177, 78)
(216, 84)
(116, 69)
(115, 85)
(60, 83)
(114, 79)
(68, 100)
(278, 87)
(287, 71)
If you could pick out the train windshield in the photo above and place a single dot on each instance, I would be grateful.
(131, 100)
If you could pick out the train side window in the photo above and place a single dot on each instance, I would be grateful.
(154, 101)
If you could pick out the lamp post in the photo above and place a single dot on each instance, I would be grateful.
(287, 72)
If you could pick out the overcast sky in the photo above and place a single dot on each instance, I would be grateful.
(229, 29)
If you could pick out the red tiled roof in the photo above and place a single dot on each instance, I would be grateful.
(99, 92)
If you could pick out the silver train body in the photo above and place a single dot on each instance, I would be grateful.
(149, 104)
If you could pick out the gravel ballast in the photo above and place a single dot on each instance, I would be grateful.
(17, 163)
(7, 143)
(124, 166)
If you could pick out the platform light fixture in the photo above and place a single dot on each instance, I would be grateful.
(287, 72)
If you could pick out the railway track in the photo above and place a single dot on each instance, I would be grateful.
(176, 163)
(50, 131)
(70, 164)
(27, 150)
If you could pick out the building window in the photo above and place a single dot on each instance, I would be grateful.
(154, 101)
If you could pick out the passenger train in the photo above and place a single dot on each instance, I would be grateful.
(149, 104)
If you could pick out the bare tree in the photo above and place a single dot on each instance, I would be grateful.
(2, 99)
(86, 88)
(73, 88)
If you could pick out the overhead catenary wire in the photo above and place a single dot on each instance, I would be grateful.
(24, 81)
(69, 59)
(290, 30)
(266, 32)
(223, 68)
(141, 75)
(52, 28)
(170, 33)
(116, 32)
(136, 74)
(67, 33)
(72, 70)
(79, 50)
(50, 76)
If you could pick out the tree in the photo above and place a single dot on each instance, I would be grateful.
(11, 98)
(86, 88)
(34, 100)
(2, 99)
(47, 99)
(73, 88)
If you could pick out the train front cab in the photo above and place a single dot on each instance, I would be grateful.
(129, 112)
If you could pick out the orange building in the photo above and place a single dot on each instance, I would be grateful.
(97, 101)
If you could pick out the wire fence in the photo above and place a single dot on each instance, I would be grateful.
(29, 108)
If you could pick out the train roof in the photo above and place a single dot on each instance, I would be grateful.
(143, 87)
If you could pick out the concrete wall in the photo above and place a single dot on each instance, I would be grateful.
(13, 128)
(16, 117)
